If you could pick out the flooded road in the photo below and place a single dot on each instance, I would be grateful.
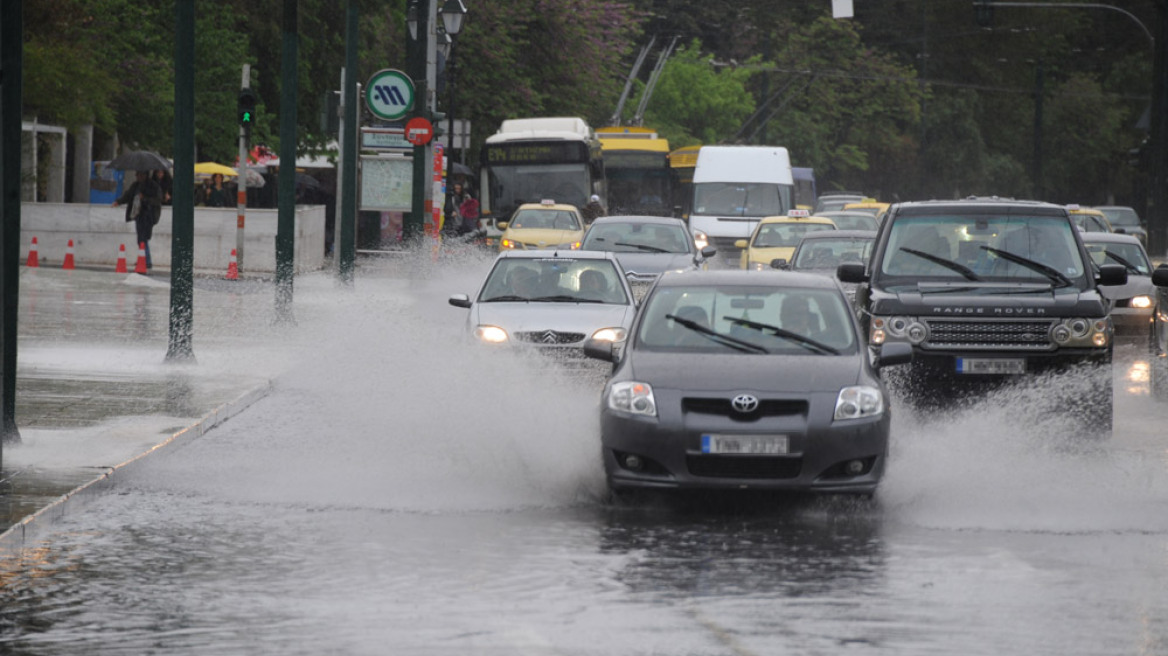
(400, 492)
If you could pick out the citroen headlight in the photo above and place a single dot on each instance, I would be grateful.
(632, 397)
(858, 402)
(1143, 301)
(490, 334)
(610, 335)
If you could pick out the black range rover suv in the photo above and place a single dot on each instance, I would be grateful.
(988, 291)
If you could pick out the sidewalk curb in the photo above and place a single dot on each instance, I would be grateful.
(21, 535)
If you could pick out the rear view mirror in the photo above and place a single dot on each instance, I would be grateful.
(741, 243)
(779, 263)
(1111, 274)
(1160, 276)
(502, 225)
(894, 353)
(599, 349)
(852, 272)
(460, 300)
(709, 251)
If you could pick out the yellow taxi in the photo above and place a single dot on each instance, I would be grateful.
(1089, 219)
(776, 237)
(871, 206)
(546, 225)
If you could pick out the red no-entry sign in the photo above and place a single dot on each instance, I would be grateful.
(419, 131)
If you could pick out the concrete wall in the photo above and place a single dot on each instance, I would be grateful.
(97, 232)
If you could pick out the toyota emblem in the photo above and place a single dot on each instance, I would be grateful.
(745, 403)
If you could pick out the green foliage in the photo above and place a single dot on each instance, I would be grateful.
(696, 102)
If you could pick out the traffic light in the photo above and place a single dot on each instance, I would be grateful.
(983, 12)
(247, 107)
(438, 120)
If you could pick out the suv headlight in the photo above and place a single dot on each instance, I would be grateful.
(632, 397)
(859, 401)
(1082, 331)
(897, 329)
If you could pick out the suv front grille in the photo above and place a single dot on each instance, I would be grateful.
(1026, 335)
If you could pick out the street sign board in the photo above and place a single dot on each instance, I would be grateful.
(384, 139)
(389, 94)
(419, 131)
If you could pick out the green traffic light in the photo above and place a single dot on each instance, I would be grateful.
(247, 117)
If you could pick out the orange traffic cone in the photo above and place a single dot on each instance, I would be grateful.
(140, 267)
(121, 268)
(232, 268)
(68, 263)
(33, 260)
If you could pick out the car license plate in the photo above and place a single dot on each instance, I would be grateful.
(746, 444)
(991, 365)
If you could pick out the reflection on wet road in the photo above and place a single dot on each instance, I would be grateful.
(401, 492)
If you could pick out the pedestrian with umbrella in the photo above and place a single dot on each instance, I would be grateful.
(143, 201)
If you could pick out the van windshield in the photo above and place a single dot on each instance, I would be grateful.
(742, 198)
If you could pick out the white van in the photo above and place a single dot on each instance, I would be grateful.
(734, 187)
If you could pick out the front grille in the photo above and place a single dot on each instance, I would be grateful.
(550, 337)
(1027, 335)
(744, 466)
(766, 408)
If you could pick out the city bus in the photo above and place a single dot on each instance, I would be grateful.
(682, 162)
(637, 172)
(530, 160)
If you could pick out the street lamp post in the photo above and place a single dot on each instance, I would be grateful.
(453, 15)
(418, 21)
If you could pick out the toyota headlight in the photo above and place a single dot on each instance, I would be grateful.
(1143, 301)
(632, 397)
(490, 334)
(858, 402)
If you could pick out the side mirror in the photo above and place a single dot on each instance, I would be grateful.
(894, 353)
(741, 243)
(460, 300)
(779, 263)
(1160, 276)
(502, 225)
(852, 272)
(599, 349)
(709, 251)
(1111, 274)
(1119, 231)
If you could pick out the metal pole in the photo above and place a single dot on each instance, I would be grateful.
(1158, 214)
(182, 281)
(286, 222)
(241, 193)
(416, 222)
(450, 75)
(11, 79)
(339, 200)
(346, 248)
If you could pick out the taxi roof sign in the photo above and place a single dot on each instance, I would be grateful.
(547, 201)
(799, 213)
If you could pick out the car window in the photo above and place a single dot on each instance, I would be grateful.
(1122, 216)
(855, 222)
(553, 279)
(545, 220)
(637, 238)
(954, 246)
(830, 253)
(1109, 253)
(744, 313)
(771, 235)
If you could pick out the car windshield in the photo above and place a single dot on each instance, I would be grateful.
(1121, 216)
(830, 253)
(541, 219)
(1089, 222)
(741, 198)
(552, 280)
(772, 235)
(747, 319)
(854, 221)
(983, 247)
(1131, 256)
(637, 238)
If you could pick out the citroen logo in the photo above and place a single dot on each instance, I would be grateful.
(548, 337)
(745, 403)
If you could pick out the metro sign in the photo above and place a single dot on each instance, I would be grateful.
(389, 94)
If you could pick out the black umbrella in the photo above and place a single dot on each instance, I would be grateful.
(139, 160)
(306, 181)
(458, 168)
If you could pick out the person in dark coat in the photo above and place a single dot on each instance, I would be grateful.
(452, 225)
(165, 182)
(593, 210)
(143, 201)
(218, 195)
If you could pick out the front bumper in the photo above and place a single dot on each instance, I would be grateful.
(670, 450)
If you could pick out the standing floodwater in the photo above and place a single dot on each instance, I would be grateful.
(402, 491)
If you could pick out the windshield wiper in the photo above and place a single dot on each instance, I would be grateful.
(713, 335)
(506, 297)
(565, 298)
(644, 247)
(805, 342)
(965, 271)
(1131, 268)
(1052, 273)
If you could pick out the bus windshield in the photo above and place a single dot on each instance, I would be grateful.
(512, 186)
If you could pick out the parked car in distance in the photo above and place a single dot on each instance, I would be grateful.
(989, 291)
(830, 201)
(1125, 220)
(550, 301)
(851, 220)
(546, 225)
(869, 205)
(646, 246)
(776, 237)
(1132, 303)
(1158, 344)
(745, 380)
